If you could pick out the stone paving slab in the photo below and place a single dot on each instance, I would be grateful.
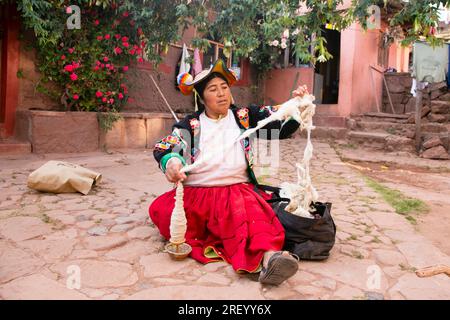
(107, 236)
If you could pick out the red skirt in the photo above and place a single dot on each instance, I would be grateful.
(233, 222)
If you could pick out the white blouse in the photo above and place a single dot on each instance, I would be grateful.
(223, 168)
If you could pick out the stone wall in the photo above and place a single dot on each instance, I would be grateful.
(399, 85)
(29, 97)
(74, 132)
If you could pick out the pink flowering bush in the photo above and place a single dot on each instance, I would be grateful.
(90, 64)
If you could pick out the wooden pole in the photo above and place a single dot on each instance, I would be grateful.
(418, 117)
(286, 57)
(164, 98)
(388, 93)
(373, 88)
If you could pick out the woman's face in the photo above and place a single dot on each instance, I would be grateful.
(217, 96)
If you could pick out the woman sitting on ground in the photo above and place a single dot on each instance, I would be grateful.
(228, 217)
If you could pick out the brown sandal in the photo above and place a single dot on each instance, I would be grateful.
(279, 268)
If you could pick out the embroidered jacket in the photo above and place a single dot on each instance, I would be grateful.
(184, 140)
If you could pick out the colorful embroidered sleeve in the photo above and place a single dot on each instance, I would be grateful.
(275, 129)
(170, 146)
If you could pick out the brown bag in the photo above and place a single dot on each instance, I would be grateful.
(63, 177)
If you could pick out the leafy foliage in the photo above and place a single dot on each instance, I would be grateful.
(258, 29)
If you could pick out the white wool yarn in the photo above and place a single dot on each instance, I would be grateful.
(178, 222)
(303, 193)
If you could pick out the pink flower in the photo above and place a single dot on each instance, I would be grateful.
(96, 22)
(125, 68)
(124, 39)
(104, 99)
(73, 76)
(68, 10)
(99, 38)
(117, 50)
(98, 94)
(96, 68)
(120, 96)
(132, 51)
(140, 59)
(63, 57)
(71, 50)
(107, 65)
(111, 100)
(75, 97)
(126, 44)
(126, 14)
(69, 68)
(105, 59)
(117, 36)
(75, 65)
(102, 65)
(97, 62)
(107, 36)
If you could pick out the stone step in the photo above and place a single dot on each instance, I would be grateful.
(321, 120)
(381, 141)
(372, 140)
(385, 127)
(385, 117)
(333, 133)
(13, 147)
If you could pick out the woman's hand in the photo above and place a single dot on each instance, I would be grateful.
(173, 168)
(300, 91)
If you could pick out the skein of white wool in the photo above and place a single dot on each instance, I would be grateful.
(303, 193)
(178, 222)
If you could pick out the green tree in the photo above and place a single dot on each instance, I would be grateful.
(255, 28)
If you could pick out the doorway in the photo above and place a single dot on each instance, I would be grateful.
(2, 63)
(326, 74)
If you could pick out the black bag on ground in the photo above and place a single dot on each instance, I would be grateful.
(310, 239)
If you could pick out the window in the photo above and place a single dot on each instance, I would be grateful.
(238, 65)
(214, 52)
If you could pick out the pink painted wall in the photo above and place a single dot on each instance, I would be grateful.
(279, 83)
(363, 93)
(399, 57)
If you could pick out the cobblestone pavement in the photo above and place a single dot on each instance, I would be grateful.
(106, 238)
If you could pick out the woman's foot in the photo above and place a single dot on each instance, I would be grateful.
(278, 266)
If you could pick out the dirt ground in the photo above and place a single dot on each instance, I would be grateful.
(431, 185)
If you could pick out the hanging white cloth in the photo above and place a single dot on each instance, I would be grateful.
(185, 67)
(417, 86)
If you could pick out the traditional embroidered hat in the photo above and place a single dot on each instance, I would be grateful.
(186, 83)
